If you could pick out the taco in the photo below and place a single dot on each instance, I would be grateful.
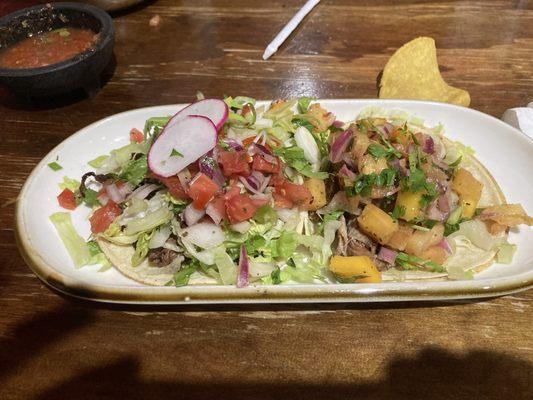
(230, 192)
(417, 205)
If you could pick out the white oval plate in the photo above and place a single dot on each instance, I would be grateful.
(506, 152)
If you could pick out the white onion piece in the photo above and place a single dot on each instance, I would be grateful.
(241, 227)
(114, 194)
(205, 235)
(286, 214)
(213, 213)
(185, 178)
(103, 198)
(143, 191)
(125, 189)
(258, 270)
(192, 215)
(160, 237)
(307, 143)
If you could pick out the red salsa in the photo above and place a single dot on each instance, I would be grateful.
(47, 48)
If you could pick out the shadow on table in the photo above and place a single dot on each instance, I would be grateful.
(432, 373)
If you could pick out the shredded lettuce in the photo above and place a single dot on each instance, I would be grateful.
(226, 267)
(505, 253)
(70, 184)
(98, 161)
(149, 221)
(153, 127)
(97, 256)
(141, 248)
(74, 243)
(285, 245)
(134, 171)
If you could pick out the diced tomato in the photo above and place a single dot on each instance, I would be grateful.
(174, 186)
(281, 201)
(260, 164)
(104, 216)
(293, 192)
(231, 191)
(67, 200)
(136, 136)
(234, 162)
(241, 208)
(297, 193)
(202, 190)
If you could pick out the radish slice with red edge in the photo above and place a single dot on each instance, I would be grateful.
(214, 109)
(181, 144)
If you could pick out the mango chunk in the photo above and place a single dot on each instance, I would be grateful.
(358, 269)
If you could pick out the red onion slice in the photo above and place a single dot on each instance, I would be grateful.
(434, 213)
(339, 146)
(387, 255)
(256, 148)
(242, 277)
(338, 124)
(429, 145)
(232, 143)
(443, 244)
(347, 173)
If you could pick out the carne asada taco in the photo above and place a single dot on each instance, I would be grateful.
(230, 192)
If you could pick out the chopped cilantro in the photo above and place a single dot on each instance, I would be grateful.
(181, 277)
(410, 262)
(276, 276)
(176, 153)
(303, 122)
(378, 151)
(294, 157)
(364, 183)
(90, 198)
(450, 228)
(399, 211)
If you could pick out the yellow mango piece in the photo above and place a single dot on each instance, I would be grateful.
(410, 202)
(318, 191)
(400, 238)
(377, 223)
(358, 269)
(469, 190)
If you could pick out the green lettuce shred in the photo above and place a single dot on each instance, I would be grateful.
(74, 243)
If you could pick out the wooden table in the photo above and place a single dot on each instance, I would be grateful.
(53, 347)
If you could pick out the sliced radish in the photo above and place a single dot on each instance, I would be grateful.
(181, 144)
(214, 109)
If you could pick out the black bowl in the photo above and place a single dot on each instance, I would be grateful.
(81, 71)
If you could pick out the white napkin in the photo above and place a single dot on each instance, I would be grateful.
(521, 118)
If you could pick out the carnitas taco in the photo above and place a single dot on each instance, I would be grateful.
(230, 192)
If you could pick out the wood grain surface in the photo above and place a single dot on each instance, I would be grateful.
(53, 347)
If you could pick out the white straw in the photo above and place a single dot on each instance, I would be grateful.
(287, 29)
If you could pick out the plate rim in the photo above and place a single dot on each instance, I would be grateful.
(298, 293)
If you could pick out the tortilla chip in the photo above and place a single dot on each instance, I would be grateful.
(413, 73)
